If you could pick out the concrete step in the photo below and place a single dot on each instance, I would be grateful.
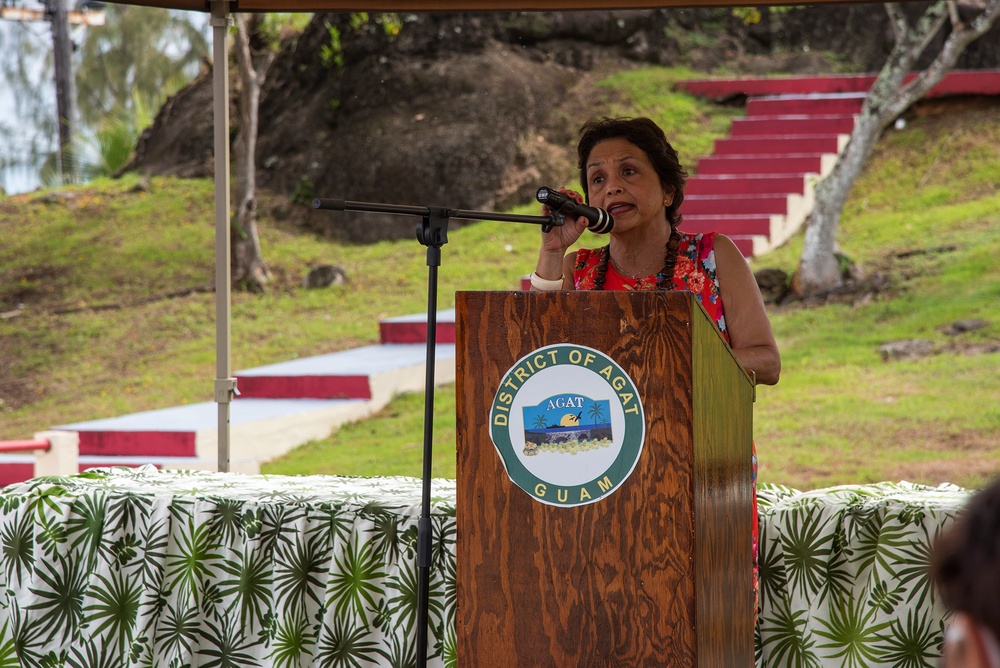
(360, 373)
(735, 204)
(792, 124)
(720, 89)
(413, 328)
(745, 245)
(766, 165)
(762, 231)
(265, 428)
(809, 104)
(18, 468)
(739, 225)
(744, 184)
(190, 431)
(780, 144)
(956, 82)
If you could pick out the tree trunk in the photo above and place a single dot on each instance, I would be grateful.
(819, 269)
(249, 270)
(62, 49)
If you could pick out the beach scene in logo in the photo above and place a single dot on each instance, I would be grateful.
(567, 424)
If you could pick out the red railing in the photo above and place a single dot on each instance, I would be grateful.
(24, 446)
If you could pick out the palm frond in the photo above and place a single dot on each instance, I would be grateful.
(177, 631)
(292, 641)
(61, 600)
(447, 645)
(126, 510)
(806, 548)
(115, 608)
(197, 557)
(915, 644)
(787, 641)
(227, 519)
(401, 651)
(404, 604)
(852, 632)
(344, 646)
(94, 654)
(296, 569)
(226, 646)
(86, 525)
(772, 575)
(250, 586)
(386, 536)
(356, 579)
(336, 523)
(52, 534)
(443, 542)
(18, 549)
(8, 648)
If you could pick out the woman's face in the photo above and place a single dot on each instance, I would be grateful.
(622, 180)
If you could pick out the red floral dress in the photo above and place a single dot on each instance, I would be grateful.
(695, 272)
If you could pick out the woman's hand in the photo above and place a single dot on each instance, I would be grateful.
(552, 259)
(561, 237)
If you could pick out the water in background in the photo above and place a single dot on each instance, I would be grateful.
(19, 179)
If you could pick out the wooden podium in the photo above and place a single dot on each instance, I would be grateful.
(657, 572)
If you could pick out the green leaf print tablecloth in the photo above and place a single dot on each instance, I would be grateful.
(121, 567)
(843, 575)
(140, 567)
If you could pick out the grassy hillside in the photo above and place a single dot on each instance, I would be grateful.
(100, 335)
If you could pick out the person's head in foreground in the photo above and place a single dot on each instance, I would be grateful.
(966, 569)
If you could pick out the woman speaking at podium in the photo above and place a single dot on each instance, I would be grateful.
(630, 170)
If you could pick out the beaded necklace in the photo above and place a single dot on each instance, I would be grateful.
(664, 279)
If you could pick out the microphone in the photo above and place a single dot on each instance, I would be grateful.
(599, 221)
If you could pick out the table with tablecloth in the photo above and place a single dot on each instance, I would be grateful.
(844, 575)
(143, 567)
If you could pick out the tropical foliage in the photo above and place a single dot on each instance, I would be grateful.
(124, 71)
(141, 54)
(844, 575)
(139, 567)
(142, 567)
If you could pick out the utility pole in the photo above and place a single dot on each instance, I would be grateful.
(62, 51)
(62, 54)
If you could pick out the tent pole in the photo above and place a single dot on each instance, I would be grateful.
(225, 384)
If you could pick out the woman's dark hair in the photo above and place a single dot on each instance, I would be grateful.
(966, 563)
(648, 136)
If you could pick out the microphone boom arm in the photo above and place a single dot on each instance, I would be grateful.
(547, 222)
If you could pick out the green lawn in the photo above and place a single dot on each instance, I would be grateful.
(926, 214)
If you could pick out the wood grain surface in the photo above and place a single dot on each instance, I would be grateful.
(622, 581)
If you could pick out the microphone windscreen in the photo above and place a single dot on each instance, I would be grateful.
(599, 221)
(603, 224)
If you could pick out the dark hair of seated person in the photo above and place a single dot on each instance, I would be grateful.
(966, 561)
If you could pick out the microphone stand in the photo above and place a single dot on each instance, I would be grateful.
(432, 232)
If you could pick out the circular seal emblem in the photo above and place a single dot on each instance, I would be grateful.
(568, 424)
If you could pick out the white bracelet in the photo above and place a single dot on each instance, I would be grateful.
(540, 283)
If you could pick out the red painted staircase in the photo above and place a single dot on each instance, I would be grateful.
(757, 187)
(281, 406)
